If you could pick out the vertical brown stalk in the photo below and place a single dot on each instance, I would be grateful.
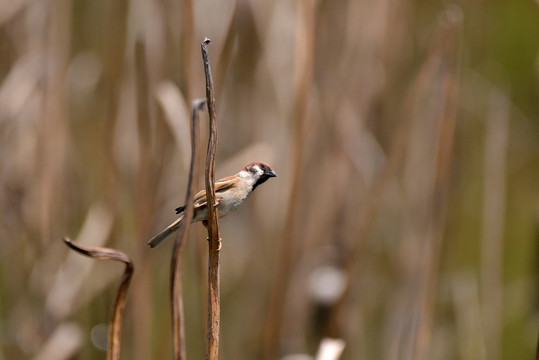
(118, 306)
(186, 47)
(145, 184)
(495, 154)
(178, 329)
(449, 52)
(54, 125)
(214, 311)
(115, 25)
(304, 68)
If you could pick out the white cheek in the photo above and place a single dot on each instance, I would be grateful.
(243, 174)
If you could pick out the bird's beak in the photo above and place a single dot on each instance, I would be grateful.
(271, 173)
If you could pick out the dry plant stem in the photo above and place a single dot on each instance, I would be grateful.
(176, 301)
(304, 68)
(450, 50)
(214, 311)
(186, 47)
(145, 200)
(115, 321)
(53, 125)
(495, 154)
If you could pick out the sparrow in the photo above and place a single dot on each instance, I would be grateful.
(230, 193)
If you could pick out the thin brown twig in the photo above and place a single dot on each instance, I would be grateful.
(449, 42)
(214, 311)
(176, 301)
(118, 305)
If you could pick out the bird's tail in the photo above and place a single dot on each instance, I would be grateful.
(158, 239)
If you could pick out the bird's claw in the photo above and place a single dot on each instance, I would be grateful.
(220, 243)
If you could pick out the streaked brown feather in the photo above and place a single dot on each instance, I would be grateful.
(220, 186)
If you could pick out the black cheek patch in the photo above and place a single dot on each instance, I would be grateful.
(262, 179)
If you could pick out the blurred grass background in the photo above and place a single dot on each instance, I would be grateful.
(405, 218)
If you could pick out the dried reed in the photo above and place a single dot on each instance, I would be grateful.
(214, 245)
(118, 305)
(178, 327)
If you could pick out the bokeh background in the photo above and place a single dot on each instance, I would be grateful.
(405, 218)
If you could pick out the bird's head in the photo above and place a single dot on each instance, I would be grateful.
(260, 172)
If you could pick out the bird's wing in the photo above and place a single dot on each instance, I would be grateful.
(225, 183)
(220, 186)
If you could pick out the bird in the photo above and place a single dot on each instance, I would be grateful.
(230, 193)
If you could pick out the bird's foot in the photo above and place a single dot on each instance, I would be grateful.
(220, 243)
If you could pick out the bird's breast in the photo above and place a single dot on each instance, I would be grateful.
(231, 200)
